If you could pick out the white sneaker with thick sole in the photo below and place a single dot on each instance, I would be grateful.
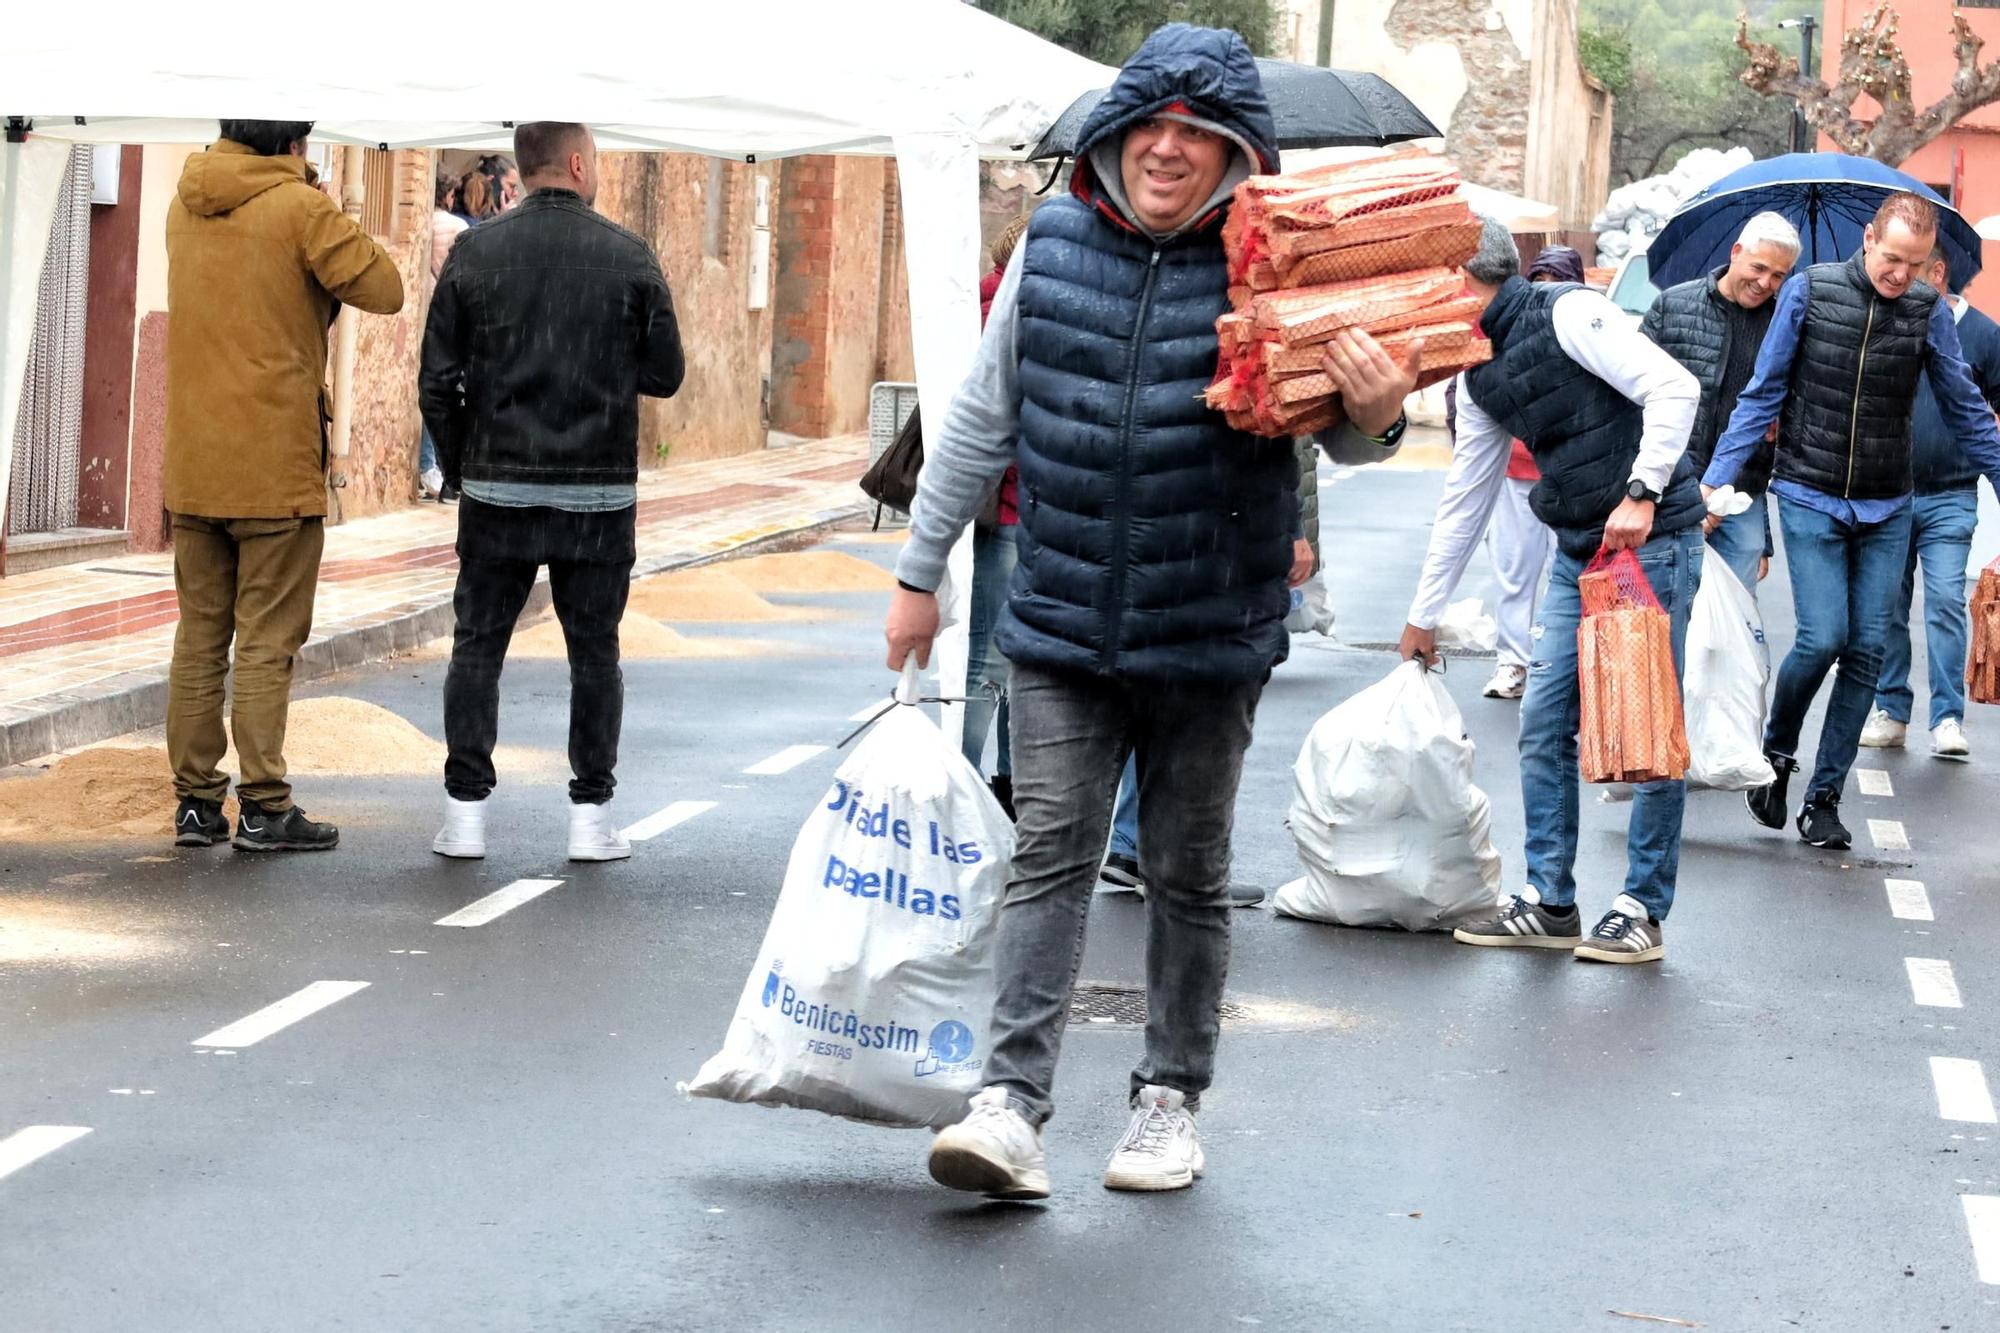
(464, 831)
(1509, 682)
(1948, 740)
(993, 1151)
(594, 835)
(1160, 1150)
(1884, 732)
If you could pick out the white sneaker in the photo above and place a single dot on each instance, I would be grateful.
(593, 836)
(1160, 1150)
(1884, 732)
(464, 831)
(430, 482)
(993, 1151)
(1509, 682)
(1948, 740)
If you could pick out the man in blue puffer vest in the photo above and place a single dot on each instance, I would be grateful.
(1147, 607)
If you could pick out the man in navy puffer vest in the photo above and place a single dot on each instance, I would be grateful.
(1838, 371)
(1147, 608)
(1606, 414)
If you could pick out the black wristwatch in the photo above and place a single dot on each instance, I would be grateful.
(1639, 490)
(1389, 438)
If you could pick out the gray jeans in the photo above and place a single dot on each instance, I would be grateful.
(1071, 734)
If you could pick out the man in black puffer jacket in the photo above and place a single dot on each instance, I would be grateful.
(1714, 326)
(1606, 414)
(1147, 608)
(548, 323)
(1838, 372)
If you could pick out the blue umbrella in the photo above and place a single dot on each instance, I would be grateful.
(1829, 197)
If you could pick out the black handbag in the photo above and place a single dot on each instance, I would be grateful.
(891, 480)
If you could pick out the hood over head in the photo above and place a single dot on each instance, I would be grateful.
(1558, 262)
(229, 175)
(1205, 76)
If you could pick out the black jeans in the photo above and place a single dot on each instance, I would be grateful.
(1070, 735)
(590, 575)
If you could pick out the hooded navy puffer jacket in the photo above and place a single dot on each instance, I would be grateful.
(1154, 540)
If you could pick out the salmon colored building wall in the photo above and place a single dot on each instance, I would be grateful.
(1925, 34)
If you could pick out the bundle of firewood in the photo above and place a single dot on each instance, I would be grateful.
(1372, 245)
(1982, 663)
(1631, 728)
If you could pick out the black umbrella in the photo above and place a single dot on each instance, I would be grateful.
(1313, 108)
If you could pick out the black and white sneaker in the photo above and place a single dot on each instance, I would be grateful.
(1819, 823)
(199, 823)
(1523, 923)
(1767, 804)
(1627, 934)
(287, 830)
(1122, 872)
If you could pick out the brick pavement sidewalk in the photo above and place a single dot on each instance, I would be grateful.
(84, 649)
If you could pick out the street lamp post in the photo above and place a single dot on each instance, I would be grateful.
(1801, 130)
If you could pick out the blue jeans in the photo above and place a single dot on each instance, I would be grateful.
(1941, 536)
(993, 556)
(1125, 817)
(427, 453)
(1551, 713)
(1844, 580)
(1739, 542)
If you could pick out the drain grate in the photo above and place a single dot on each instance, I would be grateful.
(1094, 1004)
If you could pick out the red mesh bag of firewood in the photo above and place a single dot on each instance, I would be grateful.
(1982, 662)
(1631, 727)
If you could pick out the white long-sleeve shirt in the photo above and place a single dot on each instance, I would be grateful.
(1601, 338)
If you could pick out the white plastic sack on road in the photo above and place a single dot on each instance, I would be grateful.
(1312, 609)
(1728, 664)
(1390, 827)
(1465, 624)
(872, 994)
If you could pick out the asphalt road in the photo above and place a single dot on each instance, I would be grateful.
(487, 1136)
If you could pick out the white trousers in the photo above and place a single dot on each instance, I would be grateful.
(1520, 546)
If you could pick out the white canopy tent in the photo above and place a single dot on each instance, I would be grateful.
(936, 83)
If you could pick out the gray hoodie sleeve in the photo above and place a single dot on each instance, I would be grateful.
(966, 457)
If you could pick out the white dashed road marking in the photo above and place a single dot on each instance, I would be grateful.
(1907, 900)
(498, 903)
(680, 812)
(1982, 1219)
(862, 715)
(33, 1143)
(1932, 984)
(1961, 1091)
(785, 760)
(1874, 782)
(1888, 835)
(277, 1017)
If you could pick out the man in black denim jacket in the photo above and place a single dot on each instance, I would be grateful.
(547, 324)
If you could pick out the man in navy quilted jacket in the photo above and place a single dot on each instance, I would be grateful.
(1148, 605)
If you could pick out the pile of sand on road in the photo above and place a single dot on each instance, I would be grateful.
(127, 791)
(812, 571)
(639, 636)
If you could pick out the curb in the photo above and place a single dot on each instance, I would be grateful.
(138, 699)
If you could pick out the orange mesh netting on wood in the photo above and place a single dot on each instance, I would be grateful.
(1982, 663)
(1372, 245)
(1631, 727)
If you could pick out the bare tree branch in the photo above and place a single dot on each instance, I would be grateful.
(1871, 62)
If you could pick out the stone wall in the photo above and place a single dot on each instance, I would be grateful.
(380, 469)
(699, 215)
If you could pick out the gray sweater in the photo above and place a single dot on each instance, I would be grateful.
(965, 457)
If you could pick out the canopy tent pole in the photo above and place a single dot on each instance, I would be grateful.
(939, 178)
(31, 176)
